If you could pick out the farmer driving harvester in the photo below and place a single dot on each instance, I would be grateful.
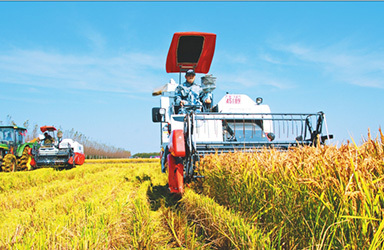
(48, 139)
(191, 93)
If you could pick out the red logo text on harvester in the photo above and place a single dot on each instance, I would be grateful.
(233, 99)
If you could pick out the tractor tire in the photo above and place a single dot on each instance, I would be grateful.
(25, 161)
(9, 163)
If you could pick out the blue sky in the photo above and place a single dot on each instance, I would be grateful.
(92, 66)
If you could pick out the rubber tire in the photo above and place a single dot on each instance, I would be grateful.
(9, 163)
(25, 161)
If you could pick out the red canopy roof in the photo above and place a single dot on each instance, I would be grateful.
(47, 128)
(191, 50)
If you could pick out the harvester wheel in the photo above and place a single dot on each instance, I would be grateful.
(9, 163)
(25, 161)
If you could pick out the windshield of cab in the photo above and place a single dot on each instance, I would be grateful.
(20, 136)
(48, 138)
(6, 134)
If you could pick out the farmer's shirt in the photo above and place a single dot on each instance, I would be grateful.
(191, 93)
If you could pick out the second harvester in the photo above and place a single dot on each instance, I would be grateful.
(54, 151)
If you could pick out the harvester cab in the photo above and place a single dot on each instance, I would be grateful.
(48, 139)
(235, 123)
(54, 151)
(14, 151)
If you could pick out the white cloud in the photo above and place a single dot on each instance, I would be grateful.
(97, 41)
(224, 57)
(239, 71)
(362, 67)
(30, 100)
(270, 58)
(249, 78)
(126, 73)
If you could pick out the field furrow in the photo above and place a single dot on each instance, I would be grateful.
(223, 228)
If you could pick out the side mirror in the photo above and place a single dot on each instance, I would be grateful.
(158, 114)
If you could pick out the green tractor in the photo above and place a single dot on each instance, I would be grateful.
(14, 152)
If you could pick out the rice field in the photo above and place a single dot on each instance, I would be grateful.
(306, 198)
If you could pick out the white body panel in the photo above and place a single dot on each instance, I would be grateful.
(238, 103)
(208, 131)
(241, 104)
(67, 143)
(48, 151)
(166, 102)
(211, 130)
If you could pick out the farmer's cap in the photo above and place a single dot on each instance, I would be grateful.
(190, 72)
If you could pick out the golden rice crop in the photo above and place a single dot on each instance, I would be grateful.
(323, 197)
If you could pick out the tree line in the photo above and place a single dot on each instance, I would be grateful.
(146, 155)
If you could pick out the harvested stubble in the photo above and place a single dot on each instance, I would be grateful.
(223, 228)
(307, 198)
(95, 206)
(89, 207)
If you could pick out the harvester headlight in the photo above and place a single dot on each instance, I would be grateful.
(162, 111)
(259, 100)
(271, 136)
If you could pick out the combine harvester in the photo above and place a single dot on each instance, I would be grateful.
(235, 123)
(54, 151)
